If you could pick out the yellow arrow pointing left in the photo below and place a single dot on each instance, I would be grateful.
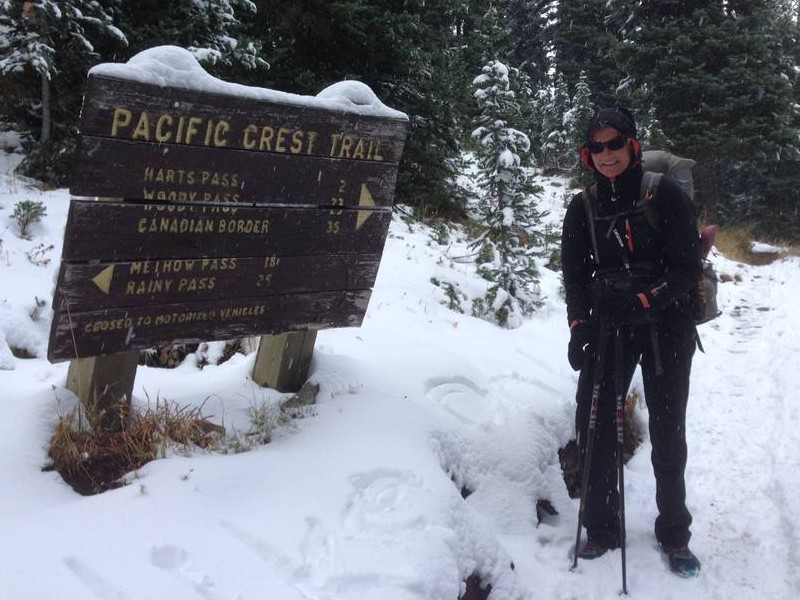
(103, 279)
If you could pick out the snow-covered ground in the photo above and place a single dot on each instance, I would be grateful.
(361, 499)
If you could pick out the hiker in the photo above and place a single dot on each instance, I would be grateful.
(638, 287)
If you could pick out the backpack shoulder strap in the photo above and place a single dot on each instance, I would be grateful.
(650, 182)
(588, 194)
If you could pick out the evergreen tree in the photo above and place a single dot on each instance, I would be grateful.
(215, 31)
(576, 118)
(408, 53)
(583, 42)
(718, 81)
(490, 39)
(482, 36)
(539, 123)
(651, 133)
(764, 192)
(558, 151)
(506, 203)
(42, 87)
(529, 24)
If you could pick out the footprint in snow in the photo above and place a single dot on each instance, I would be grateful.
(177, 560)
(463, 399)
(384, 499)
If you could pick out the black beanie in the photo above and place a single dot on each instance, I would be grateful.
(619, 118)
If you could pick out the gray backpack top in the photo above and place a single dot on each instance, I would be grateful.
(677, 167)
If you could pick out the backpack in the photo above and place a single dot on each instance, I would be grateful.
(657, 163)
(677, 167)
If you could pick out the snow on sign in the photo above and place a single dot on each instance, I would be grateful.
(224, 210)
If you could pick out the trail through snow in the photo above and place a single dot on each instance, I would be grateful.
(745, 412)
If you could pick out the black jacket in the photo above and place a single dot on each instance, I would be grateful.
(669, 253)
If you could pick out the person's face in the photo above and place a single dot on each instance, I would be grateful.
(610, 163)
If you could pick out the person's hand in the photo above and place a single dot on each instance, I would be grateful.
(580, 338)
(622, 306)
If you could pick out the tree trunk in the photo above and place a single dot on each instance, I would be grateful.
(46, 127)
(706, 185)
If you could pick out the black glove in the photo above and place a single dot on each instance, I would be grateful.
(621, 306)
(580, 337)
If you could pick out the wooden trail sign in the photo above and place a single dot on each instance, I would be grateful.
(226, 211)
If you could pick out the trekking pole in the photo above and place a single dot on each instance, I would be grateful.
(602, 340)
(621, 392)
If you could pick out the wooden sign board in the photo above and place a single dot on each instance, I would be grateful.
(145, 141)
(123, 169)
(149, 282)
(112, 331)
(233, 216)
(135, 230)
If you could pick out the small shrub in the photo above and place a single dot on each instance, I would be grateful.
(265, 417)
(454, 295)
(27, 213)
(440, 233)
(486, 253)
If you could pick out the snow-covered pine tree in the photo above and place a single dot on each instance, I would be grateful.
(583, 41)
(651, 134)
(220, 41)
(530, 25)
(226, 36)
(558, 151)
(577, 116)
(42, 88)
(506, 203)
(33, 30)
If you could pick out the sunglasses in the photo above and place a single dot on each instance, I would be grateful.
(617, 143)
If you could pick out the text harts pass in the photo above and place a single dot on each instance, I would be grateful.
(190, 177)
(202, 131)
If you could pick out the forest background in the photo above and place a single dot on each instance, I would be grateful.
(713, 80)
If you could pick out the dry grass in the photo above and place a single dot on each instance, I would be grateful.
(93, 460)
(735, 243)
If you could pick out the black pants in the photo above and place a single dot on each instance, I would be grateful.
(666, 395)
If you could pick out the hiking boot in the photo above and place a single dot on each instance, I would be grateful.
(682, 562)
(592, 550)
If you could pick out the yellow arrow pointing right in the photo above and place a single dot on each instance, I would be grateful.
(103, 279)
(365, 199)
